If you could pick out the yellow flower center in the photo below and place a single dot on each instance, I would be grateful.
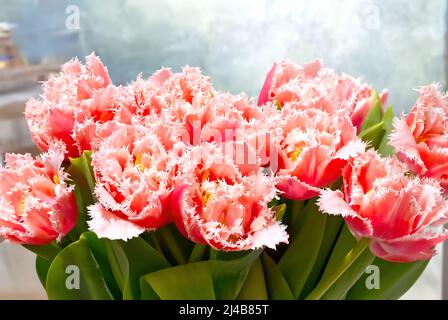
(278, 105)
(295, 154)
(205, 195)
(421, 139)
(56, 179)
(138, 162)
(21, 206)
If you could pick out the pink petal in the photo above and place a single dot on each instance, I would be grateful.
(294, 189)
(108, 225)
(264, 93)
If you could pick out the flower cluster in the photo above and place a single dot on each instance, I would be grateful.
(173, 149)
(169, 148)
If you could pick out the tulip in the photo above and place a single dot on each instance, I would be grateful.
(78, 93)
(37, 205)
(313, 149)
(132, 184)
(421, 138)
(213, 203)
(316, 87)
(402, 215)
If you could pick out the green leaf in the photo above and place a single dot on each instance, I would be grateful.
(175, 247)
(118, 261)
(395, 280)
(142, 259)
(276, 284)
(42, 266)
(373, 135)
(384, 148)
(332, 229)
(347, 279)
(255, 287)
(81, 174)
(63, 273)
(198, 252)
(346, 264)
(48, 252)
(375, 113)
(294, 217)
(279, 211)
(297, 262)
(99, 251)
(229, 271)
(221, 278)
(185, 282)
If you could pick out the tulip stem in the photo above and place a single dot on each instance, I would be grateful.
(323, 286)
(173, 246)
(197, 253)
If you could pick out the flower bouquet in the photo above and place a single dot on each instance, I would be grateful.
(166, 188)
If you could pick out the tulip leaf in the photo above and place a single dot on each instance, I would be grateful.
(81, 173)
(221, 278)
(175, 247)
(76, 274)
(42, 266)
(347, 263)
(384, 148)
(332, 229)
(343, 284)
(47, 252)
(229, 271)
(276, 284)
(118, 261)
(279, 211)
(394, 280)
(294, 217)
(373, 135)
(254, 287)
(142, 259)
(99, 251)
(344, 243)
(297, 262)
(375, 114)
(185, 282)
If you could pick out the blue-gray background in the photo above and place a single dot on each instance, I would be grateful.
(395, 44)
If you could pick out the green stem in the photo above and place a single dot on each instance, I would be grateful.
(173, 246)
(349, 259)
(151, 238)
(197, 253)
(213, 254)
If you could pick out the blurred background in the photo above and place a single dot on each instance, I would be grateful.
(399, 45)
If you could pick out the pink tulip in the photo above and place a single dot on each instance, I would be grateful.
(78, 93)
(131, 168)
(421, 139)
(37, 205)
(313, 86)
(403, 215)
(314, 148)
(213, 203)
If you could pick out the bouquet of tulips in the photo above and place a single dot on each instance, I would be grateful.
(167, 188)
